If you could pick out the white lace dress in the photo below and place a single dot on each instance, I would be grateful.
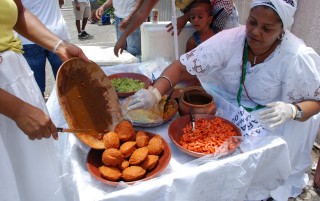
(290, 74)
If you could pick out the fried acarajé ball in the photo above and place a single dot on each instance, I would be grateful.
(110, 173)
(128, 148)
(124, 165)
(155, 145)
(138, 156)
(142, 139)
(133, 173)
(111, 140)
(125, 131)
(150, 162)
(112, 157)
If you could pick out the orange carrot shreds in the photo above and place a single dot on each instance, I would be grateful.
(208, 136)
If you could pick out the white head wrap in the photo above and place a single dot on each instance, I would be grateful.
(284, 8)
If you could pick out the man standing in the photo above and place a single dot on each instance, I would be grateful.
(123, 11)
(82, 11)
(49, 13)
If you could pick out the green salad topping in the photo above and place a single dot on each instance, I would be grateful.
(125, 85)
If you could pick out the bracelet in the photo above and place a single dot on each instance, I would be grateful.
(165, 77)
(57, 45)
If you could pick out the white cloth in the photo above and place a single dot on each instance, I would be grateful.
(49, 13)
(260, 164)
(29, 170)
(290, 74)
(285, 10)
(123, 8)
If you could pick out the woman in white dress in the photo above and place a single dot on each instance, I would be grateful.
(265, 69)
(29, 168)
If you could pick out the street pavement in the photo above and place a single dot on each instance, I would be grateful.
(101, 36)
(106, 36)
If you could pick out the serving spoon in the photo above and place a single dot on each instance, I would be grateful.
(192, 119)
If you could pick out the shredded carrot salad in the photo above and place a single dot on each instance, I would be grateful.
(208, 136)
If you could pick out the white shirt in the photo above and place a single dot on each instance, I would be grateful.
(49, 13)
(123, 8)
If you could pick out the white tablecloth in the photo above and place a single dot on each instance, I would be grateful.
(105, 56)
(259, 165)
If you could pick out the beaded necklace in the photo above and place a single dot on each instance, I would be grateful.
(243, 78)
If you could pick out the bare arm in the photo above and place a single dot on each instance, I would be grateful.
(175, 73)
(137, 19)
(124, 23)
(309, 108)
(102, 8)
(181, 22)
(31, 28)
(191, 44)
(31, 120)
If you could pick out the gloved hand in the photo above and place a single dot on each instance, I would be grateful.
(277, 113)
(144, 98)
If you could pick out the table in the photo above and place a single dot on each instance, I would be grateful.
(239, 176)
(104, 55)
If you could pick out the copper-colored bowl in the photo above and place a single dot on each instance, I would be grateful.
(135, 76)
(198, 100)
(94, 161)
(176, 127)
(88, 100)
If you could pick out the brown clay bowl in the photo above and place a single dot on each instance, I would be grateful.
(135, 76)
(198, 100)
(176, 127)
(88, 100)
(94, 161)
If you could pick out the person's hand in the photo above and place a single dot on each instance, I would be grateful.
(181, 22)
(144, 98)
(35, 123)
(99, 12)
(277, 113)
(123, 24)
(61, 3)
(67, 50)
(120, 46)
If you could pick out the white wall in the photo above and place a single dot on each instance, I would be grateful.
(307, 20)
(307, 23)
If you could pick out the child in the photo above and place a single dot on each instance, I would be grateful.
(201, 19)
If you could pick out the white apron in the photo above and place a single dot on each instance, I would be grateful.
(29, 170)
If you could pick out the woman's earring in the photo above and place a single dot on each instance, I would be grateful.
(280, 37)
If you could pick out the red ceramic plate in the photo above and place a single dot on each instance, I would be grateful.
(94, 161)
(135, 76)
(175, 132)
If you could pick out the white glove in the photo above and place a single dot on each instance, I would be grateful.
(144, 98)
(277, 113)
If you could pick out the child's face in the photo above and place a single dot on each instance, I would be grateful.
(200, 18)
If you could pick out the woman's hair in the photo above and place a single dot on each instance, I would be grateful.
(196, 3)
